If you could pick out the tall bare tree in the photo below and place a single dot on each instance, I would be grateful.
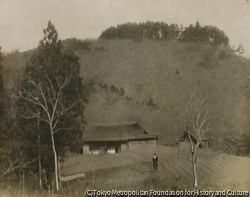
(52, 105)
(52, 93)
(197, 117)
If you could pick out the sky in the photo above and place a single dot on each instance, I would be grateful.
(22, 21)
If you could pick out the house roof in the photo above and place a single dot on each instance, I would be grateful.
(118, 132)
(184, 137)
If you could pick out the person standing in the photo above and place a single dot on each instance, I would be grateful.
(155, 162)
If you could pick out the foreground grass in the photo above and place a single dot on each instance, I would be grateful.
(133, 170)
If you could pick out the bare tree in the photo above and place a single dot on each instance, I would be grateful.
(200, 125)
(50, 101)
(13, 162)
(197, 117)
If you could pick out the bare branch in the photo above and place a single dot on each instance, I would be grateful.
(55, 125)
(58, 97)
(64, 129)
(209, 141)
(58, 130)
(67, 81)
(32, 99)
(20, 165)
(50, 99)
(45, 100)
(11, 168)
(51, 85)
(28, 117)
(204, 121)
(26, 164)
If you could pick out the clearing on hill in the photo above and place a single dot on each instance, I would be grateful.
(133, 169)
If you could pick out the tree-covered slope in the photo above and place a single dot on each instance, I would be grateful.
(160, 78)
(168, 73)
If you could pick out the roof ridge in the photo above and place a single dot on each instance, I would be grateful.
(115, 124)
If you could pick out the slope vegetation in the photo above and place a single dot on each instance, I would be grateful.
(158, 77)
(167, 73)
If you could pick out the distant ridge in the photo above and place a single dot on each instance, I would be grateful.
(161, 30)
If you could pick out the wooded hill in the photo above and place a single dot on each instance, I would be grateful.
(153, 81)
(161, 30)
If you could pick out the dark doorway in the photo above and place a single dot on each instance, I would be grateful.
(116, 149)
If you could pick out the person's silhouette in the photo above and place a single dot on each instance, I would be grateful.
(155, 162)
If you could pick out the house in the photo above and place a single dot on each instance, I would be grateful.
(184, 138)
(115, 138)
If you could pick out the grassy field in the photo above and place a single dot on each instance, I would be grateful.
(133, 169)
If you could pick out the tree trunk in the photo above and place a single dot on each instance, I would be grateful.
(195, 169)
(59, 172)
(39, 152)
(23, 180)
(55, 156)
(40, 166)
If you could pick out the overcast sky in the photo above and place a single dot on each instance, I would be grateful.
(22, 21)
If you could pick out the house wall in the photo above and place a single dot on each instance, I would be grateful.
(124, 147)
(138, 142)
(85, 149)
(96, 149)
(134, 143)
(113, 147)
(111, 150)
(103, 147)
(151, 142)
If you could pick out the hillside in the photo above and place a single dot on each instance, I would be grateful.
(167, 74)
(133, 169)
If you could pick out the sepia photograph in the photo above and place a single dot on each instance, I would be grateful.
(124, 98)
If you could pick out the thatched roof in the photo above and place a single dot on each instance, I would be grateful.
(118, 132)
(184, 137)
